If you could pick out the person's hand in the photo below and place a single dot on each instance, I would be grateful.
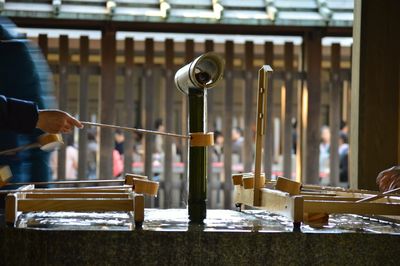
(56, 121)
(389, 179)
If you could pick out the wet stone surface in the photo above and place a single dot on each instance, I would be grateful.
(217, 221)
(227, 238)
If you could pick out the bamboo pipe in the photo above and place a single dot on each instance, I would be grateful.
(144, 131)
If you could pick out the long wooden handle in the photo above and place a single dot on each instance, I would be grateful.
(378, 196)
(144, 131)
(21, 148)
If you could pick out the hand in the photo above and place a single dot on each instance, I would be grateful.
(56, 121)
(389, 179)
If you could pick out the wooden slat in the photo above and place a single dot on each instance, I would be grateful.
(83, 106)
(28, 205)
(104, 189)
(43, 44)
(313, 55)
(375, 114)
(77, 195)
(248, 107)
(259, 180)
(128, 104)
(169, 120)
(189, 56)
(228, 113)
(107, 103)
(269, 131)
(63, 98)
(287, 111)
(211, 178)
(149, 95)
(139, 208)
(334, 114)
(316, 206)
(301, 121)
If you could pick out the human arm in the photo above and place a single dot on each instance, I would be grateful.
(24, 116)
(389, 179)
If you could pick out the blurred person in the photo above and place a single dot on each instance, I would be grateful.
(119, 139)
(218, 147)
(24, 74)
(324, 154)
(159, 140)
(137, 155)
(71, 161)
(344, 127)
(237, 144)
(118, 163)
(294, 135)
(343, 158)
(92, 148)
(324, 146)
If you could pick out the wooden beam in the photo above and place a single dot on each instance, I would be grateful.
(128, 104)
(63, 97)
(149, 95)
(287, 110)
(375, 121)
(269, 131)
(334, 114)
(247, 151)
(84, 205)
(313, 52)
(189, 56)
(107, 103)
(211, 178)
(194, 27)
(43, 45)
(317, 206)
(228, 115)
(83, 106)
(169, 120)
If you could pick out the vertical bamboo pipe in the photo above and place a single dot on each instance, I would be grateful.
(197, 157)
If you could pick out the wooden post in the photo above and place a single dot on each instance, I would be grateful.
(259, 181)
(169, 120)
(248, 108)
(228, 113)
(313, 54)
(63, 98)
(269, 131)
(129, 104)
(334, 114)
(287, 111)
(209, 47)
(43, 44)
(189, 56)
(83, 106)
(149, 110)
(107, 104)
(375, 119)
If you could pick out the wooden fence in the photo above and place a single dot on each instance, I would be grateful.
(304, 77)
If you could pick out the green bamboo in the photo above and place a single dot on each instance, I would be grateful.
(197, 157)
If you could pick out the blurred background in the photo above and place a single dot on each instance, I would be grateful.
(114, 62)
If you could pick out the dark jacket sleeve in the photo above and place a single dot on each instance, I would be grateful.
(18, 115)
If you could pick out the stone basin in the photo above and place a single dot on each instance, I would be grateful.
(227, 238)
